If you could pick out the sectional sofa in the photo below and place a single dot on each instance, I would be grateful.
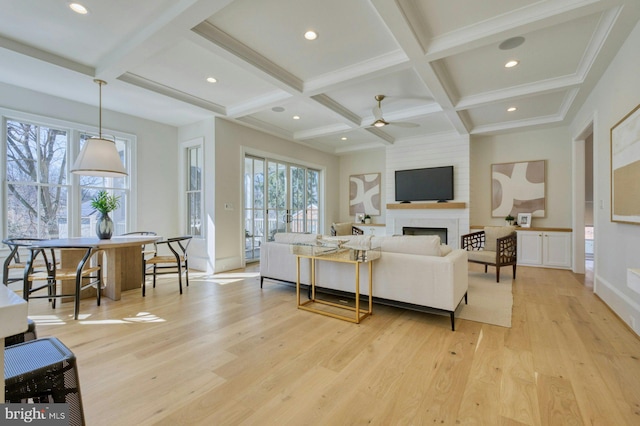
(414, 272)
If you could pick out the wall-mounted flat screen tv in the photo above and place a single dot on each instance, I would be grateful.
(427, 184)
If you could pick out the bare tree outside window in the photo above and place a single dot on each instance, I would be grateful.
(36, 176)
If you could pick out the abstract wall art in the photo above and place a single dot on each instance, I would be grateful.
(364, 194)
(518, 188)
(625, 169)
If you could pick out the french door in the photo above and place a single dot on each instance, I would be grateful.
(278, 197)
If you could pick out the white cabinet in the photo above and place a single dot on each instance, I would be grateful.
(544, 248)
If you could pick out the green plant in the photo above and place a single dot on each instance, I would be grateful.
(509, 217)
(105, 202)
(366, 216)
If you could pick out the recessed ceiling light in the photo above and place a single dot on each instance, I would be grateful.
(212, 80)
(511, 109)
(78, 8)
(511, 64)
(296, 117)
(277, 109)
(311, 35)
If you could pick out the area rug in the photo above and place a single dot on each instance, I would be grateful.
(489, 302)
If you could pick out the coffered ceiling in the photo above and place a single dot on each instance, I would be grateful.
(440, 63)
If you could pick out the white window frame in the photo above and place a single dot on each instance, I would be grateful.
(184, 148)
(74, 130)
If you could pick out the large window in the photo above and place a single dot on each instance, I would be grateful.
(42, 198)
(36, 175)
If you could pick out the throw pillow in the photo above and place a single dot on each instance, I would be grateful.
(343, 228)
(445, 250)
(492, 233)
(426, 245)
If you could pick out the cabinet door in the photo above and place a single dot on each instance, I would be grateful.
(557, 249)
(529, 248)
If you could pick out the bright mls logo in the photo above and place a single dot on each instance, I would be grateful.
(35, 414)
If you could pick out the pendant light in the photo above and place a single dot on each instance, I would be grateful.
(99, 156)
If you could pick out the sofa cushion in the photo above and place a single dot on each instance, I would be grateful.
(485, 256)
(427, 245)
(343, 228)
(492, 233)
(295, 238)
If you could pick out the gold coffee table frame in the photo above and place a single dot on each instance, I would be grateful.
(355, 257)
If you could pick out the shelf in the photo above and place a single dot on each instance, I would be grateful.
(533, 228)
(421, 206)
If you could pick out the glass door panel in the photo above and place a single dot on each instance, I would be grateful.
(253, 207)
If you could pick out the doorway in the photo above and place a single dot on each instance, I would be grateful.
(278, 197)
(585, 213)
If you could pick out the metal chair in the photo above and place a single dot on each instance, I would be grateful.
(17, 257)
(86, 273)
(170, 263)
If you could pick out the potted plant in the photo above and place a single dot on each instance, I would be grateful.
(104, 203)
(509, 219)
(367, 218)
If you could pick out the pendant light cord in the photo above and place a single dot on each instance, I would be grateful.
(100, 83)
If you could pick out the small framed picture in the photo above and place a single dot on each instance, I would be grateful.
(359, 218)
(524, 220)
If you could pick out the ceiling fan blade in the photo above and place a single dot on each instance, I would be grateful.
(404, 124)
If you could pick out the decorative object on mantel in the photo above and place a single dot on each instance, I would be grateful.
(625, 169)
(99, 156)
(367, 218)
(524, 220)
(518, 188)
(359, 218)
(509, 220)
(104, 203)
(364, 194)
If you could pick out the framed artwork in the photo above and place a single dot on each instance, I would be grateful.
(364, 194)
(518, 188)
(524, 220)
(625, 169)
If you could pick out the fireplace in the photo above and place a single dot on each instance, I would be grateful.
(415, 230)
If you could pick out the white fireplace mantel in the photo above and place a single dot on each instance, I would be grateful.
(455, 220)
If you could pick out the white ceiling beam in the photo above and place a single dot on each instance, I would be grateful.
(169, 26)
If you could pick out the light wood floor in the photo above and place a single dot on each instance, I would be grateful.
(228, 353)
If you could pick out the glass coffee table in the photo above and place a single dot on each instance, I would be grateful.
(335, 253)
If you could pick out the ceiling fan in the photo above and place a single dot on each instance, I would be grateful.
(381, 122)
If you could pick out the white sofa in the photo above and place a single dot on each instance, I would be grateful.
(414, 272)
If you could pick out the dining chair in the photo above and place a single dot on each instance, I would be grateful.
(169, 263)
(17, 258)
(86, 273)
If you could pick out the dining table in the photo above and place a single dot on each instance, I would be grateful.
(123, 268)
